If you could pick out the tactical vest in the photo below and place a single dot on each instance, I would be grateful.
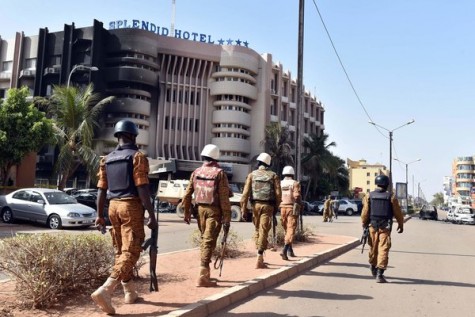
(120, 172)
(263, 185)
(205, 184)
(380, 205)
(287, 186)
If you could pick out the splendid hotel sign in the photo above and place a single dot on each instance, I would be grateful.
(180, 34)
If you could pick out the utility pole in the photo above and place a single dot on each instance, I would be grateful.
(299, 91)
(299, 99)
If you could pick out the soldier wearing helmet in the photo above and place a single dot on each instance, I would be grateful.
(209, 184)
(289, 209)
(262, 187)
(123, 177)
(379, 208)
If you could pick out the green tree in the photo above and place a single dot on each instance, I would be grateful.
(278, 145)
(77, 113)
(438, 199)
(317, 159)
(23, 129)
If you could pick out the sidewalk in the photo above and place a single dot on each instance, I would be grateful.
(177, 273)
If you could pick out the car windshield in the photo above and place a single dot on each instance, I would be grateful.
(59, 198)
(465, 211)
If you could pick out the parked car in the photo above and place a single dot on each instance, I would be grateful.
(309, 208)
(85, 198)
(462, 214)
(428, 212)
(359, 204)
(346, 207)
(52, 207)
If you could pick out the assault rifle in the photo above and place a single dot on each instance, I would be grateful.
(364, 237)
(151, 244)
(218, 263)
(274, 236)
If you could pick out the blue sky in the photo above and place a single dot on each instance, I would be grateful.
(407, 60)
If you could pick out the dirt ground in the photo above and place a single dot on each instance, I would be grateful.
(177, 274)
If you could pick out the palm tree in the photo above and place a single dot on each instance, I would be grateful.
(318, 159)
(278, 145)
(76, 113)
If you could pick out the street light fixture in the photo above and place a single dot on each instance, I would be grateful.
(407, 185)
(391, 145)
(81, 67)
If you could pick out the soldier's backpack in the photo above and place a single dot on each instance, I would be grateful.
(204, 184)
(263, 185)
(287, 186)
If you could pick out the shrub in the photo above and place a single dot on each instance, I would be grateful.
(48, 267)
(300, 235)
(233, 243)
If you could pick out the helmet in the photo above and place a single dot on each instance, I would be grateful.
(211, 150)
(125, 126)
(288, 170)
(382, 181)
(264, 158)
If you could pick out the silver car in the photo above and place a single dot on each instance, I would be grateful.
(52, 207)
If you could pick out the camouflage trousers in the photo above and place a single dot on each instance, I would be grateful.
(262, 219)
(379, 241)
(209, 223)
(289, 223)
(128, 234)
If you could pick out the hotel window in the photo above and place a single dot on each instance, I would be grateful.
(30, 63)
(284, 112)
(7, 66)
(55, 60)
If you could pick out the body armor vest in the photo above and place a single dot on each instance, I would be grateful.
(120, 172)
(381, 207)
(263, 185)
(205, 184)
(287, 186)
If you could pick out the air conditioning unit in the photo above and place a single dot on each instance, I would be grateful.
(52, 70)
(27, 73)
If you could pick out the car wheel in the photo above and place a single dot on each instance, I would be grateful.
(54, 222)
(180, 211)
(235, 213)
(350, 212)
(7, 215)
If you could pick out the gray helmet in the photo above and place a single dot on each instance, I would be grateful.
(125, 126)
(382, 181)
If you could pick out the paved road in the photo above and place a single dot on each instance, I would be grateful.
(431, 273)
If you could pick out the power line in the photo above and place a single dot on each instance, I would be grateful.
(344, 69)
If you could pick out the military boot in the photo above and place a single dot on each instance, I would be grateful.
(291, 252)
(204, 279)
(260, 262)
(102, 296)
(283, 254)
(130, 292)
(380, 277)
(374, 270)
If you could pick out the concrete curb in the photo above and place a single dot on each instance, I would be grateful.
(217, 302)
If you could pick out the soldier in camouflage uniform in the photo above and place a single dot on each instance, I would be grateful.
(289, 209)
(327, 206)
(262, 187)
(379, 209)
(209, 184)
(123, 175)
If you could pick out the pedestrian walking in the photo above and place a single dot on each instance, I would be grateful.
(336, 207)
(289, 209)
(327, 209)
(379, 209)
(209, 183)
(262, 188)
(123, 177)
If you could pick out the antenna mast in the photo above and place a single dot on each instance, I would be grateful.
(172, 27)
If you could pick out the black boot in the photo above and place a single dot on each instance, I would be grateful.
(380, 277)
(374, 270)
(283, 254)
(291, 251)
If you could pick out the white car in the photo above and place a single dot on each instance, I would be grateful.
(345, 207)
(52, 207)
(461, 214)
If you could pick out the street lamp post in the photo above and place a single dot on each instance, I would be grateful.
(407, 185)
(391, 145)
(80, 67)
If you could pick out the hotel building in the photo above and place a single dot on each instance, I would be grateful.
(183, 92)
(362, 175)
(463, 175)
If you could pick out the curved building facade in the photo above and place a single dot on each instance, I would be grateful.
(182, 94)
